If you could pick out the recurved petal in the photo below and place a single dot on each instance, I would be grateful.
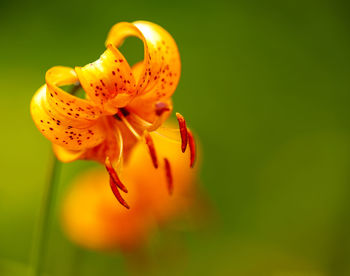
(66, 105)
(161, 65)
(109, 81)
(70, 133)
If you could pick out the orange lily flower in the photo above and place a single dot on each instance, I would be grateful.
(91, 219)
(123, 104)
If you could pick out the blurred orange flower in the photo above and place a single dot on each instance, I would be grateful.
(92, 219)
(123, 104)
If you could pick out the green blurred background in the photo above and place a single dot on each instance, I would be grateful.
(265, 84)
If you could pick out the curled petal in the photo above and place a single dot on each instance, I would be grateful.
(109, 81)
(159, 73)
(63, 104)
(72, 133)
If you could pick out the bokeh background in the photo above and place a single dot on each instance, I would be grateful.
(265, 85)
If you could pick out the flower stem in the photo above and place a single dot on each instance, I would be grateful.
(42, 231)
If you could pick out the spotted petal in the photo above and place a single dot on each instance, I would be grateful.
(76, 129)
(108, 82)
(159, 73)
(65, 104)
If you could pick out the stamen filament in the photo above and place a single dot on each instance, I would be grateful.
(121, 144)
(183, 131)
(128, 125)
(168, 137)
(145, 124)
(169, 176)
(160, 109)
(156, 124)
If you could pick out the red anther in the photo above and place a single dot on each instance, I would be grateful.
(116, 193)
(192, 145)
(169, 176)
(113, 174)
(161, 107)
(151, 148)
(183, 131)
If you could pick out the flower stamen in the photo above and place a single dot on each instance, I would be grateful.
(169, 176)
(148, 138)
(121, 115)
(113, 175)
(183, 131)
(160, 109)
(121, 145)
(116, 193)
(151, 148)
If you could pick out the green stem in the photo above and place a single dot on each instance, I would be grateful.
(42, 234)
